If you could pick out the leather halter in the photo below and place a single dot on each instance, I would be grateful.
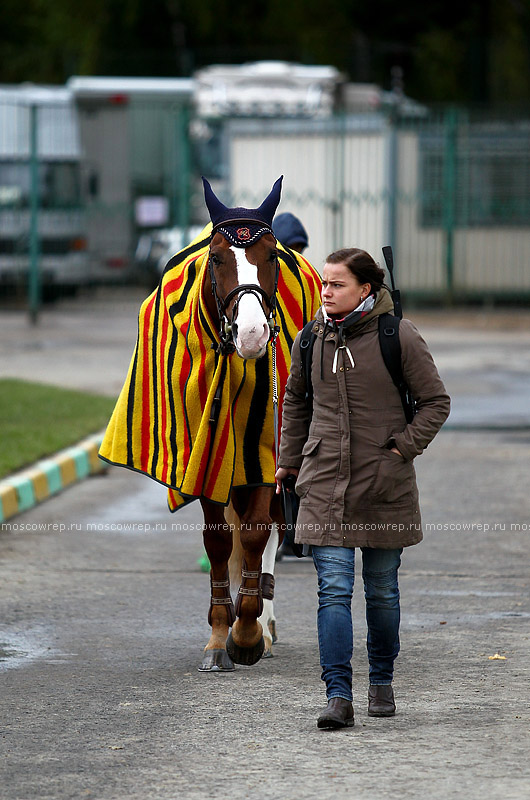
(226, 344)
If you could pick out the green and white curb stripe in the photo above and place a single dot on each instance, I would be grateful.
(26, 489)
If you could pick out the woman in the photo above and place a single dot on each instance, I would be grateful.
(353, 453)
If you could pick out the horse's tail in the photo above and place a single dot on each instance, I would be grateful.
(236, 559)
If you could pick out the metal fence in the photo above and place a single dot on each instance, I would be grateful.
(86, 189)
(449, 190)
(42, 212)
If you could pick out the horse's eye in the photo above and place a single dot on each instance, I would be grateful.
(273, 256)
(215, 260)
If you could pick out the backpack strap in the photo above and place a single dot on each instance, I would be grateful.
(391, 346)
(391, 352)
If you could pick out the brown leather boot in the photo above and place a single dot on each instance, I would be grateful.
(338, 714)
(381, 701)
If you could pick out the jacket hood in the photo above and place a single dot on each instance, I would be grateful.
(289, 230)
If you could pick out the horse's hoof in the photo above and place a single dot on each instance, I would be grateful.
(268, 654)
(272, 629)
(244, 655)
(216, 661)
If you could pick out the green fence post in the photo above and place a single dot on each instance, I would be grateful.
(392, 176)
(337, 205)
(449, 195)
(184, 162)
(34, 284)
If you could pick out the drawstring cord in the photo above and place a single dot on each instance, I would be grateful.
(341, 345)
(340, 326)
(336, 357)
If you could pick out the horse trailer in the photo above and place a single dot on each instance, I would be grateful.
(134, 136)
(41, 189)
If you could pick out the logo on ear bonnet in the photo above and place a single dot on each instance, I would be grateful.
(243, 234)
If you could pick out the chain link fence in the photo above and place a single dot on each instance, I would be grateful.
(43, 242)
(106, 190)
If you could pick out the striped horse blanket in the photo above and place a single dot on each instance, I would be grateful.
(161, 424)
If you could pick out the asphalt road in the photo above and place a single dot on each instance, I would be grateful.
(103, 621)
(86, 343)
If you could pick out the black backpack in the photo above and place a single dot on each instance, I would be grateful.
(388, 341)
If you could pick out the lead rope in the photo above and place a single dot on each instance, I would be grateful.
(274, 335)
(275, 330)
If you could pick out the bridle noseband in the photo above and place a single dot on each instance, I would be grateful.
(226, 344)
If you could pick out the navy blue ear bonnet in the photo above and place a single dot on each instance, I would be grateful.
(242, 226)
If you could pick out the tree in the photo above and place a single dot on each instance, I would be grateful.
(448, 50)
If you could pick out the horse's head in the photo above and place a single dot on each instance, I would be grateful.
(243, 271)
(245, 281)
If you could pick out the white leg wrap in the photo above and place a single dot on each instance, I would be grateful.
(267, 565)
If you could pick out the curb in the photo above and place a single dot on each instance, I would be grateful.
(28, 488)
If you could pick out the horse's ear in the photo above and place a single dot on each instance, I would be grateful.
(268, 208)
(215, 208)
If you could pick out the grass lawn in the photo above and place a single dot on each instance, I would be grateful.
(37, 421)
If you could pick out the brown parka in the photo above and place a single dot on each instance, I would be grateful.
(355, 492)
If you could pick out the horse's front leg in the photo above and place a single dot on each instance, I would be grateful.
(245, 644)
(217, 536)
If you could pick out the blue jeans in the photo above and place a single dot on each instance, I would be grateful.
(336, 569)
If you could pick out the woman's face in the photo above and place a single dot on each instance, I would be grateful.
(341, 291)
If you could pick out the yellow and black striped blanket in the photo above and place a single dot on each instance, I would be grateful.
(161, 423)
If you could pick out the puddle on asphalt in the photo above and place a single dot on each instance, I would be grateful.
(7, 651)
(12, 655)
(21, 649)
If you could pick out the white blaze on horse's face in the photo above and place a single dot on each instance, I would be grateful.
(252, 328)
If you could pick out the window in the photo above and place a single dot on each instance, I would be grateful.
(59, 185)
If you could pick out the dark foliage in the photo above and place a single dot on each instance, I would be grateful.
(476, 51)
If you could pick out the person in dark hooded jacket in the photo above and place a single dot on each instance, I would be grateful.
(352, 452)
(290, 232)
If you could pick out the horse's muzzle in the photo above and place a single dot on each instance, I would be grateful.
(251, 340)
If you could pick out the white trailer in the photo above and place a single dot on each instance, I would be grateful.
(60, 218)
(266, 89)
(130, 134)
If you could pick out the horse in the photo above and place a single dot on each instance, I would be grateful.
(200, 410)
